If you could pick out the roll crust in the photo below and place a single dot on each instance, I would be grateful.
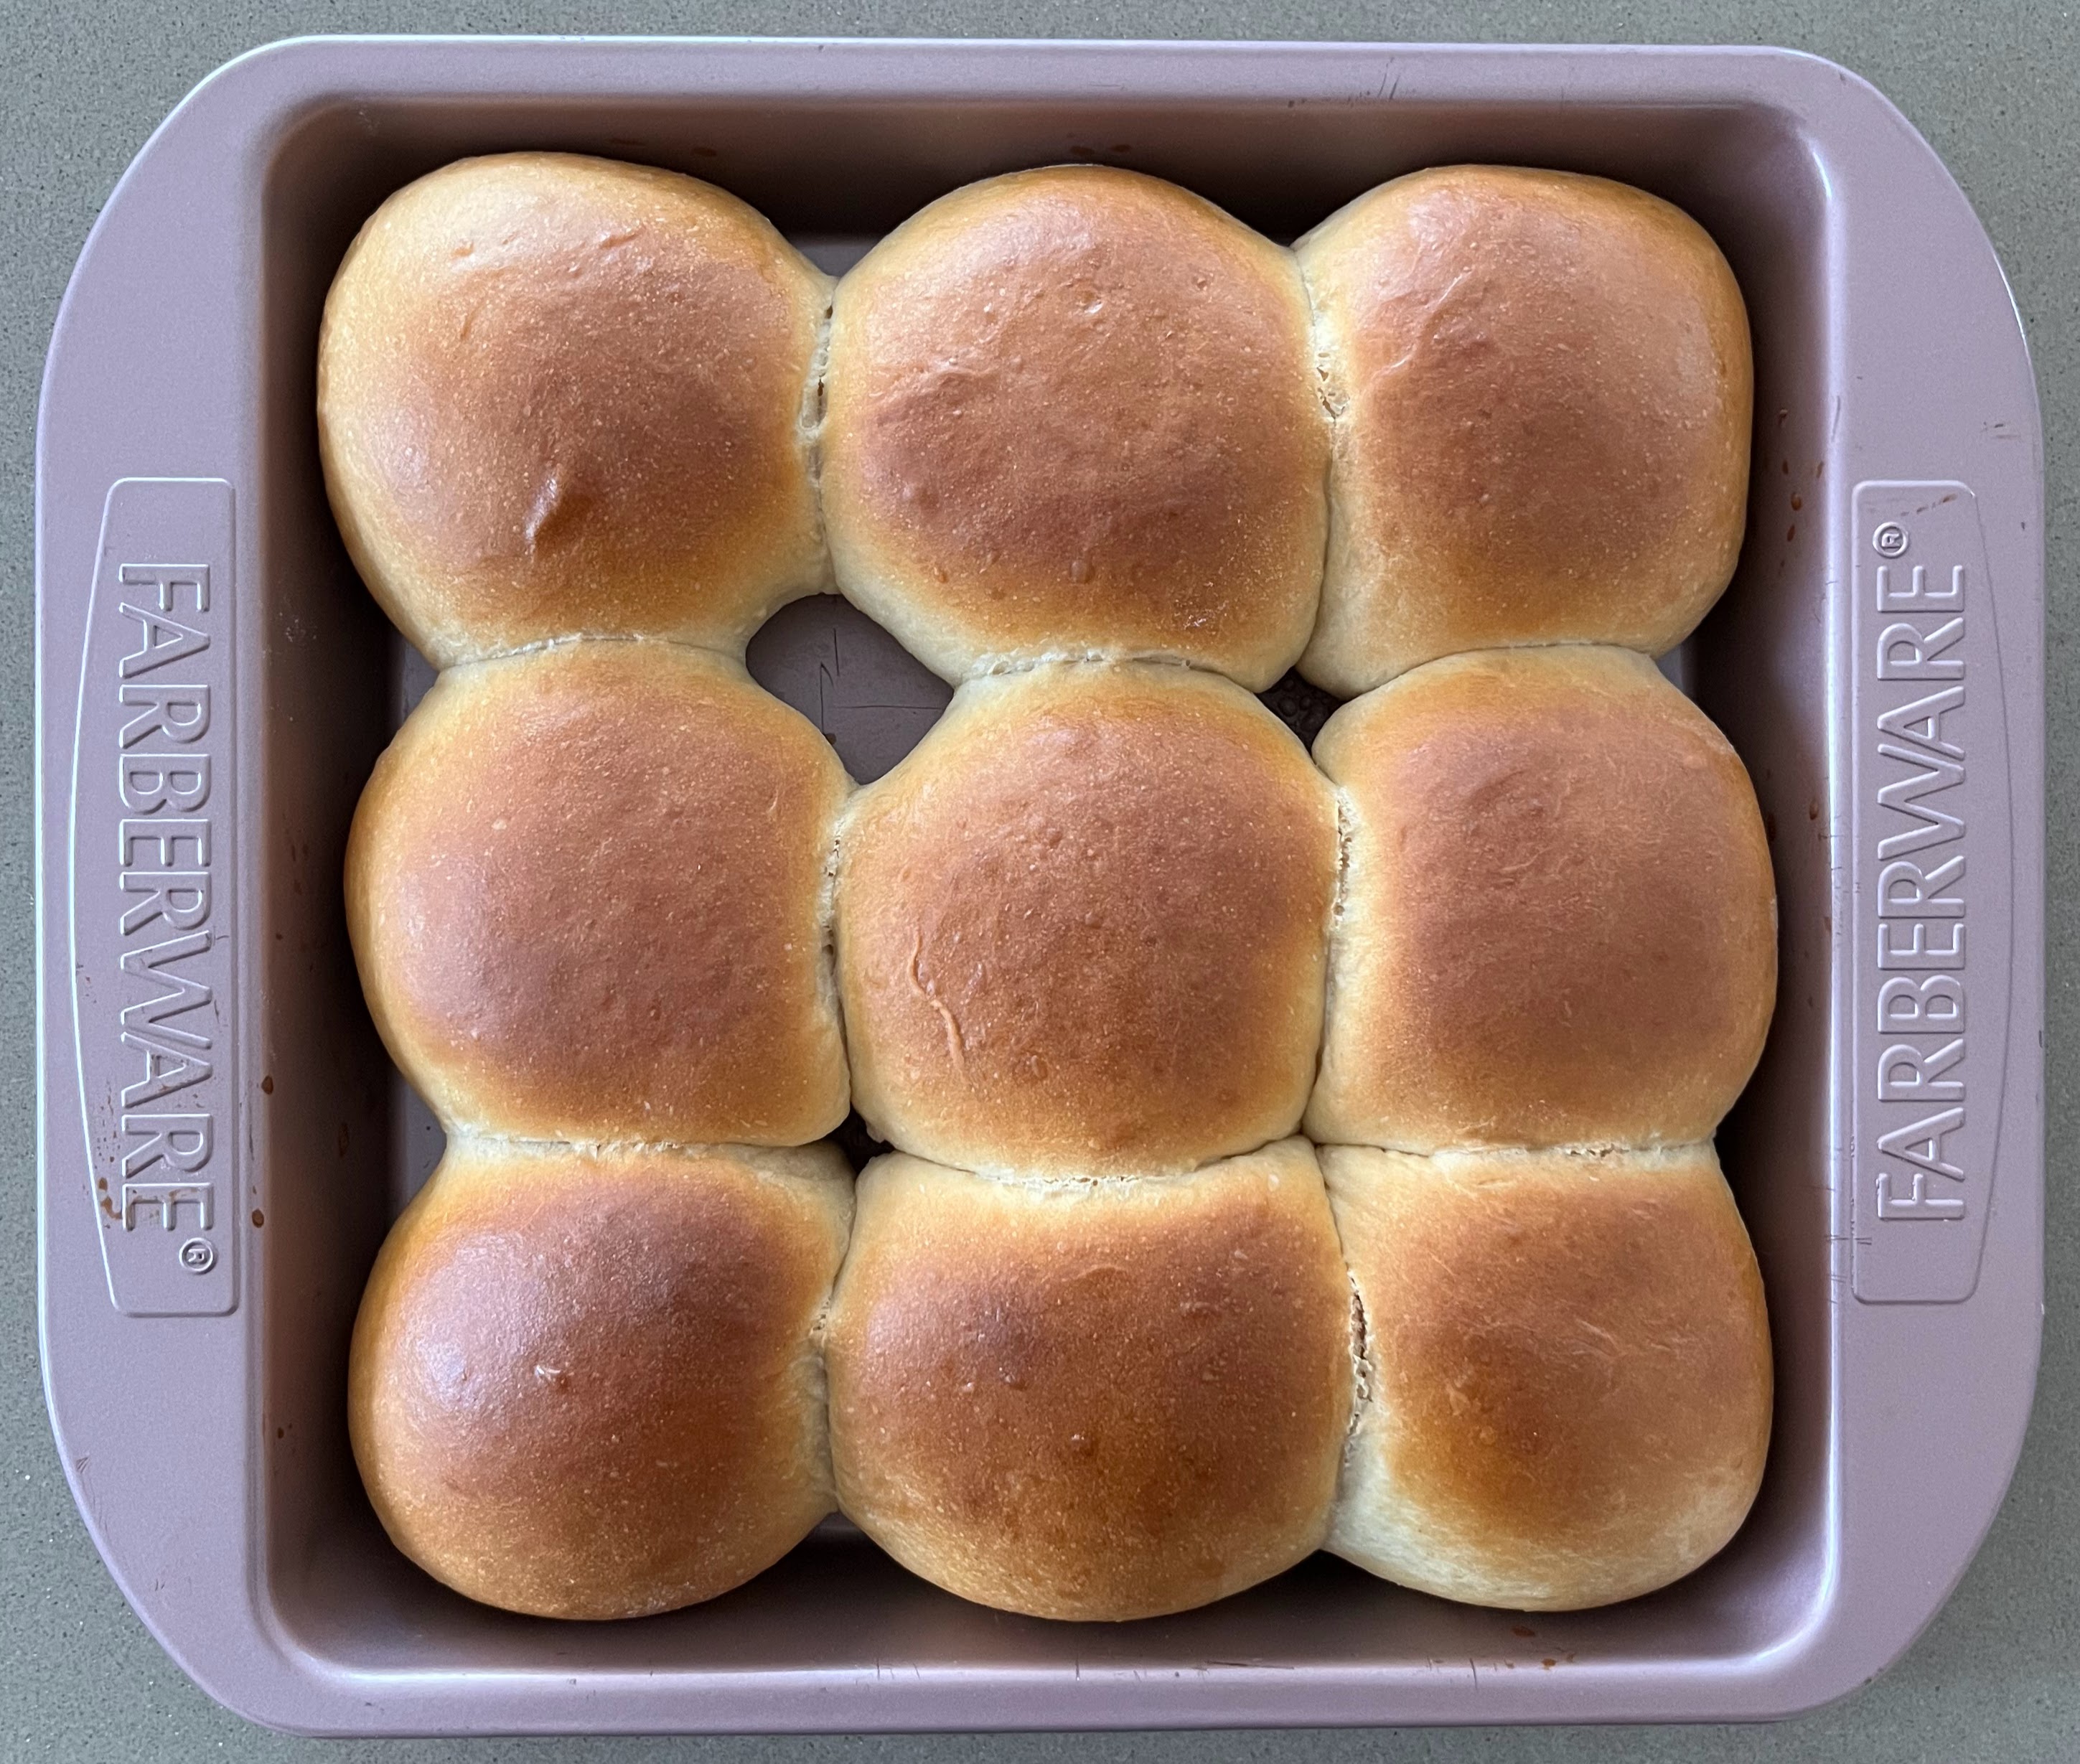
(1092, 1400)
(562, 396)
(585, 887)
(587, 1385)
(1568, 1371)
(1559, 922)
(1073, 412)
(1545, 390)
(1080, 928)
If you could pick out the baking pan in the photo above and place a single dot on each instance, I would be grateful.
(223, 1143)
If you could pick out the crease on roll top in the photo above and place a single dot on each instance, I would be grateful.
(742, 1151)
(814, 1363)
(828, 988)
(570, 640)
(1336, 401)
(827, 907)
(1333, 935)
(1363, 1372)
(998, 664)
(809, 431)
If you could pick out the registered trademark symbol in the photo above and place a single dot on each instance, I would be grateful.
(197, 1256)
(1889, 540)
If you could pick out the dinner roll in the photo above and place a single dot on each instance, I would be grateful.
(1075, 411)
(559, 395)
(1567, 1371)
(1092, 1400)
(1543, 391)
(587, 1385)
(585, 888)
(1558, 923)
(1080, 928)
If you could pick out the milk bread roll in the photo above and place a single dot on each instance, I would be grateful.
(1080, 928)
(585, 887)
(588, 1385)
(1096, 1400)
(1568, 1380)
(1543, 388)
(1558, 920)
(560, 396)
(1074, 412)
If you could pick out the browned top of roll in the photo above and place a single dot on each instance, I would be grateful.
(586, 1386)
(1080, 928)
(561, 395)
(1546, 389)
(1096, 1401)
(1074, 410)
(1569, 1370)
(584, 887)
(1559, 923)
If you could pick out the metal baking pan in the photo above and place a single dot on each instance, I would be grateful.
(1879, 662)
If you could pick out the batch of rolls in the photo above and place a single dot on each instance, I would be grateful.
(1289, 1153)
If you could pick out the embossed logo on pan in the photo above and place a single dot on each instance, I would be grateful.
(155, 1020)
(1921, 1141)
(1921, 924)
(163, 855)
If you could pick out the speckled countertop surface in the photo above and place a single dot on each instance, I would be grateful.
(1994, 86)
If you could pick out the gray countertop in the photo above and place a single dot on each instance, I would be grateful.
(1994, 87)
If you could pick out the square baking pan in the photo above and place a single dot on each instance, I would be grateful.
(222, 1142)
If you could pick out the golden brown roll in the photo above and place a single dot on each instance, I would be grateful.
(1092, 1400)
(1074, 412)
(1558, 922)
(585, 887)
(559, 395)
(1543, 389)
(589, 1386)
(1080, 928)
(1567, 1368)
